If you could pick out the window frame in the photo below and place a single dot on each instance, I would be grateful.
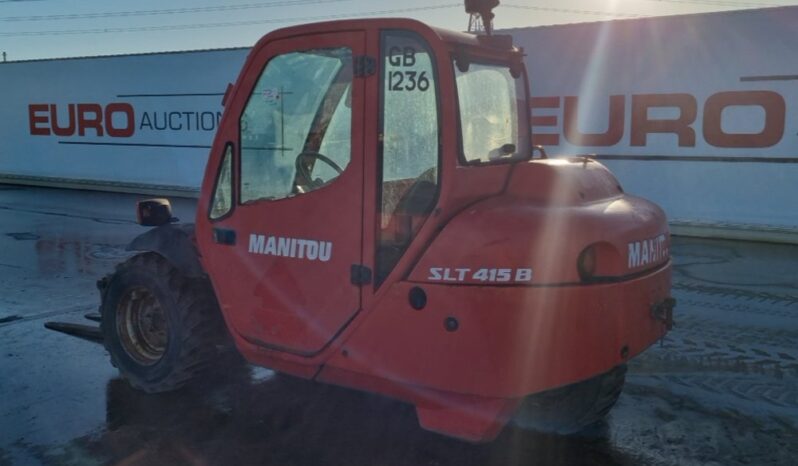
(384, 33)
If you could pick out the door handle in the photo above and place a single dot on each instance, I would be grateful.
(224, 236)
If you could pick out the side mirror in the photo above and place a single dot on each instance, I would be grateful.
(154, 212)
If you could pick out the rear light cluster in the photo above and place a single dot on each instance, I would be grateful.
(600, 262)
(586, 263)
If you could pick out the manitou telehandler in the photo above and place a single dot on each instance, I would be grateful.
(373, 215)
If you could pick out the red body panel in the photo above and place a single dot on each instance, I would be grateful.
(512, 339)
(549, 213)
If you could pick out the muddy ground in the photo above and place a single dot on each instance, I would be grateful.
(721, 389)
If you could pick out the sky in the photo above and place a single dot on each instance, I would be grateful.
(33, 29)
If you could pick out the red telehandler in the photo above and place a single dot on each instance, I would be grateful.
(374, 215)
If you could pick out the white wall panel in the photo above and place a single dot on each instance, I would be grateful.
(679, 64)
(164, 110)
(737, 57)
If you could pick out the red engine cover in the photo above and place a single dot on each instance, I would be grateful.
(551, 211)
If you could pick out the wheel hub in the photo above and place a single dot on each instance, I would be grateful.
(142, 326)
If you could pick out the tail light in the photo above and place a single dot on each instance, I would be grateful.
(586, 263)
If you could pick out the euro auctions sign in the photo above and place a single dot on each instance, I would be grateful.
(115, 120)
(762, 120)
(697, 112)
(140, 120)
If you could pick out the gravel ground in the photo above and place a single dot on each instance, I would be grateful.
(722, 388)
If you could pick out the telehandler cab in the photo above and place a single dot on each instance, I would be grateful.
(372, 216)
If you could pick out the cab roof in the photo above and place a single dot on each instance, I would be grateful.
(452, 38)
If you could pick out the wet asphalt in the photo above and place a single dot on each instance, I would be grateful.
(721, 389)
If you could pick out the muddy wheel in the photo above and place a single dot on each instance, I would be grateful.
(160, 328)
(574, 408)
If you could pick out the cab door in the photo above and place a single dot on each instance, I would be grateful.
(283, 226)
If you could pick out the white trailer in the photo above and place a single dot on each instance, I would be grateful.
(698, 113)
(138, 123)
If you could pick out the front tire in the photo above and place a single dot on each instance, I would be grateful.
(574, 408)
(160, 328)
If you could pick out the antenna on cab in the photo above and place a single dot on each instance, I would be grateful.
(481, 12)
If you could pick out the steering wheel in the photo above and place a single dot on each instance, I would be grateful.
(417, 198)
(304, 164)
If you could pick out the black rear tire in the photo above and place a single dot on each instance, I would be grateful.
(574, 408)
(160, 328)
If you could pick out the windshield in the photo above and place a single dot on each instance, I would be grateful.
(492, 109)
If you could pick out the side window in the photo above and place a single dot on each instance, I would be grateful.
(410, 145)
(295, 129)
(491, 103)
(222, 200)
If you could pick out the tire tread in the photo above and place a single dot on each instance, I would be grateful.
(573, 408)
(196, 310)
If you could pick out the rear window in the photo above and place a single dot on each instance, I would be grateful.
(492, 107)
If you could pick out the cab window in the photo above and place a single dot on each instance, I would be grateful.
(295, 129)
(410, 145)
(222, 201)
(493, 106)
